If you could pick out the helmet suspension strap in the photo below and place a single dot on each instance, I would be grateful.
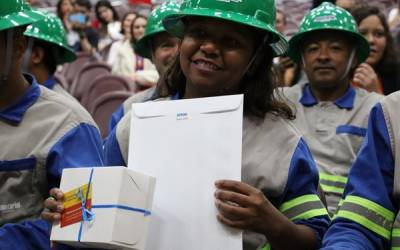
(27, 55)
(265, 39)
(349, 63)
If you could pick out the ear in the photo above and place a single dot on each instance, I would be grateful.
(37, 55)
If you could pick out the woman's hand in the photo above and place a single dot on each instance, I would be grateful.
(53, 206)
(366, 77)
(245, 207)
(241, 206)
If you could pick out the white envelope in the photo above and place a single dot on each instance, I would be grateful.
(188, 145)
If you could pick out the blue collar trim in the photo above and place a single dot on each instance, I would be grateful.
(49, 83)
(16, 111)
(344, 102)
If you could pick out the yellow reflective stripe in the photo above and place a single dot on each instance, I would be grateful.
(335, 178)
(298, 201)
(396, 232)
(365, 222)
(395, 238)
(303, 207)
(311, 214)
(331, 189)
(370, 205)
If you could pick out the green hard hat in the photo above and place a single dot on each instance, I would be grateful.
(154, 26)
(15, 13)
(328, 17)
(259, 14)
(51, 30)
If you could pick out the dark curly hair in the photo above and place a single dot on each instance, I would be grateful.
(107, 4)
(58, 7)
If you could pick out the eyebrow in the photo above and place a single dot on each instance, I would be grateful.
(233, 31)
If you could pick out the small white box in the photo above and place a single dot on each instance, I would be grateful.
(121, 201)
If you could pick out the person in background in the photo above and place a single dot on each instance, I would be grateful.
(331, 114)
(110, 26)
(281, 21)
(380, 72)
(157, 45)
(64, 8)
(286, 70)
(42, 132)
(47, 48)
(126, 62)
(138, 28)
(126, 22)
(84, 38)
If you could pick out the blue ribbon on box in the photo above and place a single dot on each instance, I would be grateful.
(88, 215)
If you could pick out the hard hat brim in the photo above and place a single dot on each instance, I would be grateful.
(21, 18)
(175, 26)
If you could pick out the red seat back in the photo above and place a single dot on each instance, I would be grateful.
(85, 75)
(104, 84)
(104, 106)
(70, 70)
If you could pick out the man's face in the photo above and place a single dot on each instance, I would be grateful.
(326, 56)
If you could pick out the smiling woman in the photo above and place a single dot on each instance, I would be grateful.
(380, 72)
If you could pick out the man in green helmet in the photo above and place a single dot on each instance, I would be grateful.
(157, 45)
(41, 133)
(331, 114)
(47, 48)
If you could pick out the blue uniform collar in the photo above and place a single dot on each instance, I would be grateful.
(344, 102)
(15, 112)
(49, 83)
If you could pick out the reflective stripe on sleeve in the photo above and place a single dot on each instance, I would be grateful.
(395, 243)
(332, 183)
(303, 208)
(367, 213)
(266, 247)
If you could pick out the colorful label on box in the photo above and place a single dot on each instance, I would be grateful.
(74, 201)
